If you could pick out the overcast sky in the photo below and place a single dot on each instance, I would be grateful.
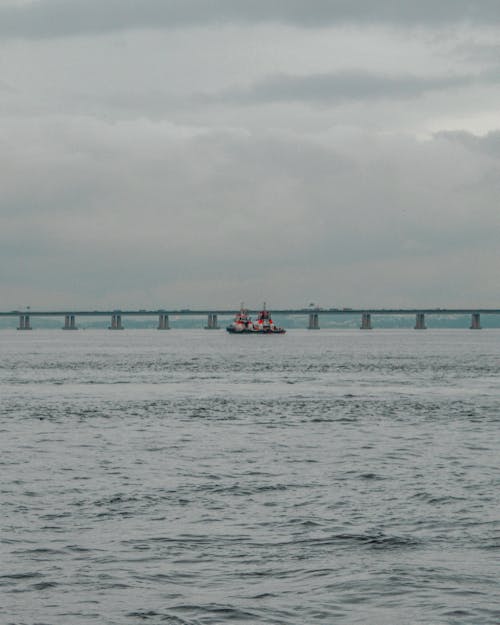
(184, 153)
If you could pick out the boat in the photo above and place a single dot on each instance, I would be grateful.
(243, 323)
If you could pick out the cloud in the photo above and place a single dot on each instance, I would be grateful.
(270, 149)
(104, 206)
(339, 86)
(487, 144)
(55, 18)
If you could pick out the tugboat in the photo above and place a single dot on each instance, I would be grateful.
(243, 324)
(265, 324)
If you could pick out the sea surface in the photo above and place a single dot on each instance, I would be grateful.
(194, 477)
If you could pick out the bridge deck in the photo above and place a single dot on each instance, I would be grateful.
(287, 311)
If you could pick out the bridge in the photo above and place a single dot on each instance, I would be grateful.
(312, 314)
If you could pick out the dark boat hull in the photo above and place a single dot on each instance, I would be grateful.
(276, 331)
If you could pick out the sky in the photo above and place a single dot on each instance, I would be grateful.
(200, 153)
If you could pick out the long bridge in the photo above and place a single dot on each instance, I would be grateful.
(312, 315)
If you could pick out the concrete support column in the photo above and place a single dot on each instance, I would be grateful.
(420, 321)
(163, 322)
(69, 322)
(475, 323)
(212, 322)
(366, 321)
(116, 322)
(313, 321)
(24, 322)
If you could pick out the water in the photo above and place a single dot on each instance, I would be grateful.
(193, 477)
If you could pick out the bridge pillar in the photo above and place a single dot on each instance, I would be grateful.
(420, 321)
(475, 323)
(313, 321)
(116, 322)
(212, 322)
(366, 321)
(163, 322)
(24, 322)
(69, 322)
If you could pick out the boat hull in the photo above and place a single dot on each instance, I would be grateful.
(266, 331)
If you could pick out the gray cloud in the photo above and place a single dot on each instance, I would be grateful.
(52, 18)
(268, 211)
(345, 85)
(485, 54)
(487, 144)
(186, 169)
(320, 89)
